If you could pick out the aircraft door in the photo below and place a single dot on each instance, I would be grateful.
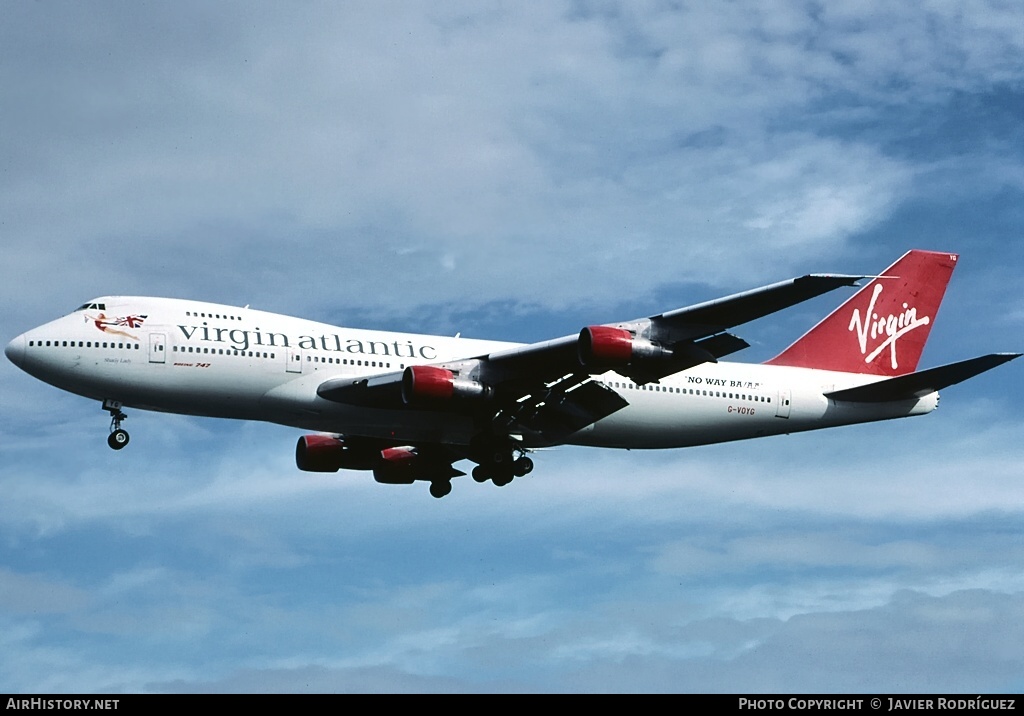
(157, 347)
(294, 357)
(782, 406)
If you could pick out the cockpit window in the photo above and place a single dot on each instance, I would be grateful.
(92, 306)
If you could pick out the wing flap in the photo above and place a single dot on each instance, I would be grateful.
(561, 409)
(685, 355)
(921, 383)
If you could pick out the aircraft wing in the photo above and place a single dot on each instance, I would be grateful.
(549, 411)
(546, 389)
(647, 349)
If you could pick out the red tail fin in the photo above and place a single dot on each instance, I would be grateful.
(883, 327)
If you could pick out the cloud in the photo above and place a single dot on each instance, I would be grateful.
(35, 594)
(912, 642)
(479, 138)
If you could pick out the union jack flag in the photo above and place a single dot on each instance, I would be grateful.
(130, 321)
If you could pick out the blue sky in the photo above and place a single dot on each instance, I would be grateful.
(511, 171)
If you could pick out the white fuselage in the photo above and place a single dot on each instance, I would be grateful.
(205, 359)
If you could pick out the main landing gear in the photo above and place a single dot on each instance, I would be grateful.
(118, 437)
(500, 472)
(501, 464)
(440, 488)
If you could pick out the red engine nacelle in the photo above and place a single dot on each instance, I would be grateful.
(404, 464)
(398, 466)
(396, 456)
(430, 384)
(608, 347)
(326, 453)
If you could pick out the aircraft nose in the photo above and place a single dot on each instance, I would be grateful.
(15, 351)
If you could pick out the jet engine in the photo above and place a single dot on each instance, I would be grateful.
(404, 464)
(326, 453)
(608, 347)
(431, 384)
(397, 466)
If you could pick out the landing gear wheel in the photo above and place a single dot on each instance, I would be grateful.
(503, 478)
(118, 439)
(440, 489)
(522, 466)
(499, 459)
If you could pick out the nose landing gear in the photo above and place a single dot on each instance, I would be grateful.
(118, 437)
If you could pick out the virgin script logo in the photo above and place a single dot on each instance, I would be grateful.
(891, 327)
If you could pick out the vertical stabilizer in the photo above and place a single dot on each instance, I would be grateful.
(882, 329)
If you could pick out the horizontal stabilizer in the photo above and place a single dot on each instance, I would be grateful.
(916, 385)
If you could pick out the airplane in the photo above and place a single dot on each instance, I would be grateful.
(408, 407)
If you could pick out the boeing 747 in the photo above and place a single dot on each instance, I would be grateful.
(408, 407)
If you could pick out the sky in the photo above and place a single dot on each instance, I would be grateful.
(511, 171)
